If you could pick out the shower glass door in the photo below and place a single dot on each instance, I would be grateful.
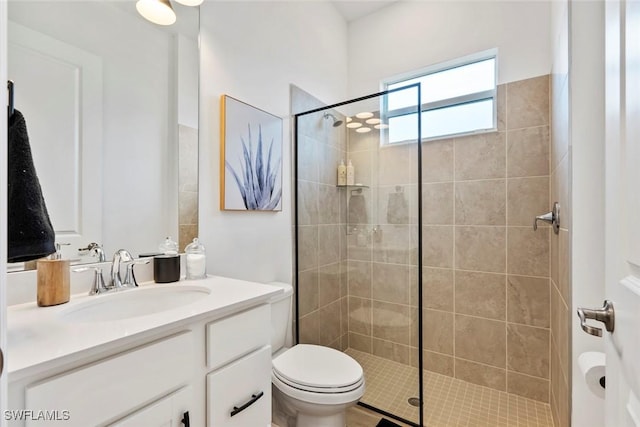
(358, 241)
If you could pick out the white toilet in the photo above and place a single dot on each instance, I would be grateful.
(312, 385)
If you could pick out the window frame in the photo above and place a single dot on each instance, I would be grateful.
(491, 94)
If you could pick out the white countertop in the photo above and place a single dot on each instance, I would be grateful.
(39, 336)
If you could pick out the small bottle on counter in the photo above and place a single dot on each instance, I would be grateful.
(166, 266)
(168, 247)
(351, 174)
(342, 173)
(196, 260)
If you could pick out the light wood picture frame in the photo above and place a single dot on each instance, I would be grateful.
(250, 157)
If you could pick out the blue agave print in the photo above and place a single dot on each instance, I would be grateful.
(255, 180)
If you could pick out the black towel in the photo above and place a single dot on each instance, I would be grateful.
(30, 234)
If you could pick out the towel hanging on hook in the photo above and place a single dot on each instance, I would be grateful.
(10, 107)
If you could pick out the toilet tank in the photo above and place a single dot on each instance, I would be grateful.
(281, 326)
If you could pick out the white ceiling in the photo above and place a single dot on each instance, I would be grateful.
(354, 9)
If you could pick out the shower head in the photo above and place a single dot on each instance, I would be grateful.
(336, 122)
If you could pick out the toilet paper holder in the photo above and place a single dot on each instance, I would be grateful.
(592, 366)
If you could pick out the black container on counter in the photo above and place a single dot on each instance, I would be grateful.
(166, 268)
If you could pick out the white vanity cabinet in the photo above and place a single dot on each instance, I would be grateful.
(170, 411)
(238, 351)
(146, 379)
(216, 369)
(103, 391)
(239, 395)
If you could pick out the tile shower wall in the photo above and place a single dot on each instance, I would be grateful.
(486, 291)
(188, 185)
(560, 254)
(321, 286)
(486, 272)
(382, 249)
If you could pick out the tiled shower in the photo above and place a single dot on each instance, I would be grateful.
(485, 274)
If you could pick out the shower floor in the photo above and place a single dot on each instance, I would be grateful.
(449, 402)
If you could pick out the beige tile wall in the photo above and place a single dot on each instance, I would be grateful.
(187, 185)
(485, 272)
(321, 249)
(486, 291)
(382, 251)
(489, 264)
(560, 255)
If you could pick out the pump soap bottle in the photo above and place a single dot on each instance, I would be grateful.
(53, 280)
(351, 173)
(342, 173)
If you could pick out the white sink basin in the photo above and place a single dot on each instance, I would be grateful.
(133, 303)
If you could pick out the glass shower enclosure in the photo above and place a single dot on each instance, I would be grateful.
(358, 240)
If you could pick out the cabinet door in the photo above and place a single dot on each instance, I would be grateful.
(166, 412)
(239, 395)
(237, 335)
(108, 389)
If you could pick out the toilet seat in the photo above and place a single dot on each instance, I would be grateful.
(341, 398)
(317, 374)
(321, 390)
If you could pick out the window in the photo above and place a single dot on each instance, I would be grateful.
(457, 97)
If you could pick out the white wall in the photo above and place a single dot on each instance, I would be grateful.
(188, 58)
(586, 70)
(408, 36)
(253, 51)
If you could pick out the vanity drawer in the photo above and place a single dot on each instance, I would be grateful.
(243, 389)
(237, 335)
(108, 389)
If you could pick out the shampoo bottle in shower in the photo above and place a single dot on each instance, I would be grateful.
(342, 173)
(351, 174)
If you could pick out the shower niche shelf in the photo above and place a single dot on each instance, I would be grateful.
(353, 186)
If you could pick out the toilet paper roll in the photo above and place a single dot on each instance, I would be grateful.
(592, 366)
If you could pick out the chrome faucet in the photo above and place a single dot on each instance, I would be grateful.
(95, 250)
(98, 286)
(130, 278)
(121, 256)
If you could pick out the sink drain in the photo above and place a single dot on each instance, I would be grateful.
(414, 401)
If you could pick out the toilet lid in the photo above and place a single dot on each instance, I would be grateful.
(318, 367)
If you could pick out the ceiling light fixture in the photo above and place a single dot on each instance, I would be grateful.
(381, 126)
(373, 121)
(363, 130)
(349, 119)
(364, 115)
(354, 125)
(157, 11)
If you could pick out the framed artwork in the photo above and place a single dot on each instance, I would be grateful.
(250, 158)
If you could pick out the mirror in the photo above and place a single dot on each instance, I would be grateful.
(110, 102)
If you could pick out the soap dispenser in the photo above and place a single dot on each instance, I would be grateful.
(53, 280)
(196, 260)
